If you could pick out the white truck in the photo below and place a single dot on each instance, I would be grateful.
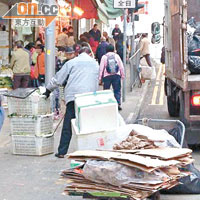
(181, 88)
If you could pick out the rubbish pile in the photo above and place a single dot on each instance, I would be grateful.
(31, 122)
(136, 174)
(193, 46)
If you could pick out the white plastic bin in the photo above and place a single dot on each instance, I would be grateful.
(32, 125)
(32, 145)
(32, 105)
(96, 111)
(98, 140)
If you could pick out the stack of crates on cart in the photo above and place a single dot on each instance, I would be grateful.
(31, 122)
(97, 121)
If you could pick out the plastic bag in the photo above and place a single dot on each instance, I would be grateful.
(194, 64)
(193, 42)
(160, 137)
(190, 184)
(118, 174)
(148, 73)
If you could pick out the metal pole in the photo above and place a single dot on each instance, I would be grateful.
(133, 37)
(124, 57)
(50, 49)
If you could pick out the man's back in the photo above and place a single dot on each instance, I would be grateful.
(101, 50)
(144, 46)
(20, 62)
(83, 77)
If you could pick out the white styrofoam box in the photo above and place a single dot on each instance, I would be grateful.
(98, 140)
(32, 145)
(38, 125)
(32, 105)
(96, 111)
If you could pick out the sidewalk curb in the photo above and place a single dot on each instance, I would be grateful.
(133, 116)
(136, 114)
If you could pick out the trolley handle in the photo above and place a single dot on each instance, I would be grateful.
(145, 121)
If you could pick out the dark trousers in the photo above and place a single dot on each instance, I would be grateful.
(20, 81)
(41, 79)
(115, 81)
(148, 59)
(66, 130)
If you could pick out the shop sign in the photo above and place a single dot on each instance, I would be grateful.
(32, 14)
(124, 3)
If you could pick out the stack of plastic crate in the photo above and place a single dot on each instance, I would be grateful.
(31, 122)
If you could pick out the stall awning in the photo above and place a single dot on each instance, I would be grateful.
(89, 8)
(112, 12)
(101, 10)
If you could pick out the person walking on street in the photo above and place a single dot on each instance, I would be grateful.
(40, 65)
(71, 40)
(20, 64)
(116, 32)
(95, 33)
(111, 72)
(62, 40)
(144, 49)
(120, 47)
(101, 49)
(79, 75)
(109, 39)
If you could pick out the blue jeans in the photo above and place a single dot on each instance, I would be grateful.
(66, 130)
(115, 81)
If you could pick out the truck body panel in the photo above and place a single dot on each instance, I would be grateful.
(180, 84)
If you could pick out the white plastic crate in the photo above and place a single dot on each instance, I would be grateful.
(96, 111)
(98, 140)
(32, 105)
(39, 125)
(32, 145)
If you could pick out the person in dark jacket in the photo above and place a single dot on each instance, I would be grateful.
(119, 46)
(95, 33)
(101, 49)
(116, 32)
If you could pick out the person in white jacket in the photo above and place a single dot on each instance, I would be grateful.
(78, 75)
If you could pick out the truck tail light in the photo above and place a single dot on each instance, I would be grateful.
(196, 100)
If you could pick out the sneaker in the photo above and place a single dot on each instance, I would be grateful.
(59, 156)
(119, 107)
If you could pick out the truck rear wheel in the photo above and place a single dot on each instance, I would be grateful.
(173, 107)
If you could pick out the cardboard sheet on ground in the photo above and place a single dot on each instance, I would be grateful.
(134, 159)
(165, 153)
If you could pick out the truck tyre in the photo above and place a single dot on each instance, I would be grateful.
(173, 107)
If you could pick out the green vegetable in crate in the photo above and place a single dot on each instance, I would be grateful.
(5, 82)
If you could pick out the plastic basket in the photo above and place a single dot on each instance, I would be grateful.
(32, 145)
(32, 105)
(39, 126)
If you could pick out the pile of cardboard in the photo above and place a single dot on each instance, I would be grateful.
(163, 163)
(135, 141)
